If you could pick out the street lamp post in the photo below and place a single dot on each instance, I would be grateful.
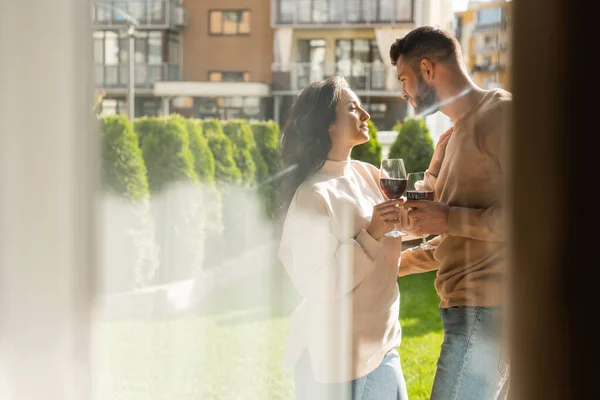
(131, 91)
(132, 24)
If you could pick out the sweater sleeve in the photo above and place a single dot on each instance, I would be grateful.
(417, 260)
(319, 263)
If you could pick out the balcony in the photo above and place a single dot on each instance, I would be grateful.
(491, 48)
(151, 14)
(493, 67)
(342, 13)
(117, 76)
(363, 77)
(491, 26)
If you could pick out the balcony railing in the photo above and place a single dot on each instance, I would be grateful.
(361, 76)
(151, 14)
(117, 76)
(493, 26)
(494, 67)
(342, 12)
(491, 48)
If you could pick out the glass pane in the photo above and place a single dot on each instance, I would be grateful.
(304, 11)
(232, 76)
(353, 11)
(230, 22)
(488, 16)
(205, 106)
(386, 10)
(174, 50)
(149, 107)
(369, 10)
(343, 54)
(157, 11)
(245, 22)
(320, 12)
(155, 48)
(336, 10)
(251, 106)
(109, 107)
(216, 22)
(141, 49)
(286, 10)
(237, 102)
(98, 51)
(136, 9)
(404, 10)
(375, 54)
(123, 49)
(111, 49)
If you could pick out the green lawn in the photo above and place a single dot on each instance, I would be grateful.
(235, 352)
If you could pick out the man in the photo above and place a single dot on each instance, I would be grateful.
(466, 174)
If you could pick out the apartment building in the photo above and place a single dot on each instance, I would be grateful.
(484, 31)
(250, 58)
(199, 58)
(226, 66)
(315, 39)
(157, 51)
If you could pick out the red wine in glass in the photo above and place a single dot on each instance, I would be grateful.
(393, 183)
(419, 195)
(393, 188)
(417, 191)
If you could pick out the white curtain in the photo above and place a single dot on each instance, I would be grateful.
(385, 37)
(48, 179)
(284, 47)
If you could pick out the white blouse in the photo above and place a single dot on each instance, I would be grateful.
(348, 317)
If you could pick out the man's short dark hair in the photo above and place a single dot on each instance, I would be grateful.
(426, 42)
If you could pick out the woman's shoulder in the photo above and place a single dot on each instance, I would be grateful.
(309, 195)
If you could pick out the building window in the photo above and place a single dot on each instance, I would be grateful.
(113, 107)
(377, 111)
(489, 16)
(352, 54)
(458, 28)
(360, 62)
(228, 107)
(112, 48)
(229, 22)
(228, 76)
(174, 52)
(336, 11)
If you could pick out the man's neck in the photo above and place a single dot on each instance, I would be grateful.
(461, 97)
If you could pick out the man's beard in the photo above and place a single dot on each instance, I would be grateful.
(426, 99)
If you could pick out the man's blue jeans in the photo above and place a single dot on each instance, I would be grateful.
(472, 363)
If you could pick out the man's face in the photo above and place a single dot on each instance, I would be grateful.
(420, 94)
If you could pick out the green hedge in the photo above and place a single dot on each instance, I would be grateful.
(166, 151)
(226, 170)
(123, 167)
(266, 135)
(204, 161)
(240, 133)
(130, 253)
(370, 152)
(413, 144)
(177, 200)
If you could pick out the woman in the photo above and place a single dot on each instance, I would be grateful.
(345, 331)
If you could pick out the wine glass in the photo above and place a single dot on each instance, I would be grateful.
(417, 190)
(392, 179)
